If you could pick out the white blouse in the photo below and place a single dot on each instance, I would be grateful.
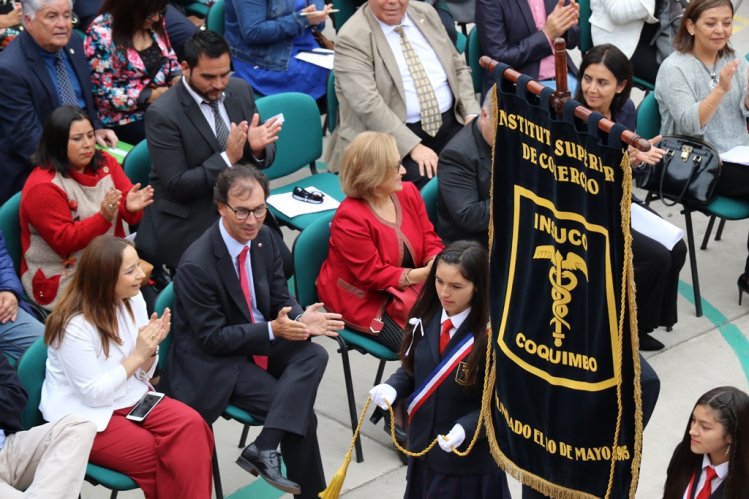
(81, 380)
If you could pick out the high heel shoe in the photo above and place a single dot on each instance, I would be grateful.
(743, 284)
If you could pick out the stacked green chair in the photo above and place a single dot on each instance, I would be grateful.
(299, 145)
(648, 126)
(214, 21)
(31, 371)
(137, 164)
(310, 251)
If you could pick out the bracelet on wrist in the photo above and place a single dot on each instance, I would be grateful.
(709, 105)
(407, 279)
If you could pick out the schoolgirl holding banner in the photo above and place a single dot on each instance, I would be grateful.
(441, 379)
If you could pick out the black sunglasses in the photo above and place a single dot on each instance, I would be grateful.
(302, 194)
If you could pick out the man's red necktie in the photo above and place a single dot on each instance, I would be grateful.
(445, 335)
(260, 360)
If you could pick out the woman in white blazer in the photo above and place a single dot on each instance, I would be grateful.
(629, 25)
(103, 349)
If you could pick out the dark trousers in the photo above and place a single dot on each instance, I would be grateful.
(285, 397)
(657, 280)
(450, 127)
(644, 61)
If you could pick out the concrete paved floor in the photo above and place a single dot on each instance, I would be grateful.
(700, 353)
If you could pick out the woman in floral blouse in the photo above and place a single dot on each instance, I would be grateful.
(132, 63)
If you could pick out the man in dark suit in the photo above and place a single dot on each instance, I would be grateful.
(42, 68)
(465, 166)
(46, 461)
(189, 147)
(240, 338)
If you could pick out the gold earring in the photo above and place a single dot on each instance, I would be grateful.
(727, 449)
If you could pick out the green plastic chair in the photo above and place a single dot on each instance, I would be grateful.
(473, 54)
(586, 39)
(331, 118)
(214, 21)
(346, 9)
(192, 7)
(137, 164)
(648, 117)
(310, 251)
(429, 195)
(460, 43)
(648, 126)
(299, 145)
(31, 372)
(10, 226)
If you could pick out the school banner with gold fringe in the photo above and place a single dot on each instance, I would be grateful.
(566, 411)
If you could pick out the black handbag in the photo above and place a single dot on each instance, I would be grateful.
(688, 172)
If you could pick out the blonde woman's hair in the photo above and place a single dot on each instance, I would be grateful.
(366, 163)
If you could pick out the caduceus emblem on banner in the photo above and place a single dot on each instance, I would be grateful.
(566, 411)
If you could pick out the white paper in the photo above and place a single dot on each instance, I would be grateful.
(649, 224)
(318, 58)
(739, 154)
(286, 204)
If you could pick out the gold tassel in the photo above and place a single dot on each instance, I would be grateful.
(333, 490)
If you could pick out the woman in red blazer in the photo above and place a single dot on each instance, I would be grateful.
(381, 242)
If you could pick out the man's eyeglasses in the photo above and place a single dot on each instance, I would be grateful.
(301, 194)
(243, 213)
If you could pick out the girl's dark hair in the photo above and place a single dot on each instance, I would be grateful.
(615, 61)
(683, 41)
(473, 263)
(731, 409)
(52, 151)
(128, 17)
(92, 293)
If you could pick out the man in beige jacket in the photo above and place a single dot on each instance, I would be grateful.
(377, 89)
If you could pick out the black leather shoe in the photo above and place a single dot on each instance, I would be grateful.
(267, 464)
(650, 344)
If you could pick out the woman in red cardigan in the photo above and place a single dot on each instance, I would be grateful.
(382, 243)
(75, 194)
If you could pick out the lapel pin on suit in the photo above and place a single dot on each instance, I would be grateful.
(259, 245)
(72, 51)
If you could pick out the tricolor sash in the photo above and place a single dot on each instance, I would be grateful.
(439, 374)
